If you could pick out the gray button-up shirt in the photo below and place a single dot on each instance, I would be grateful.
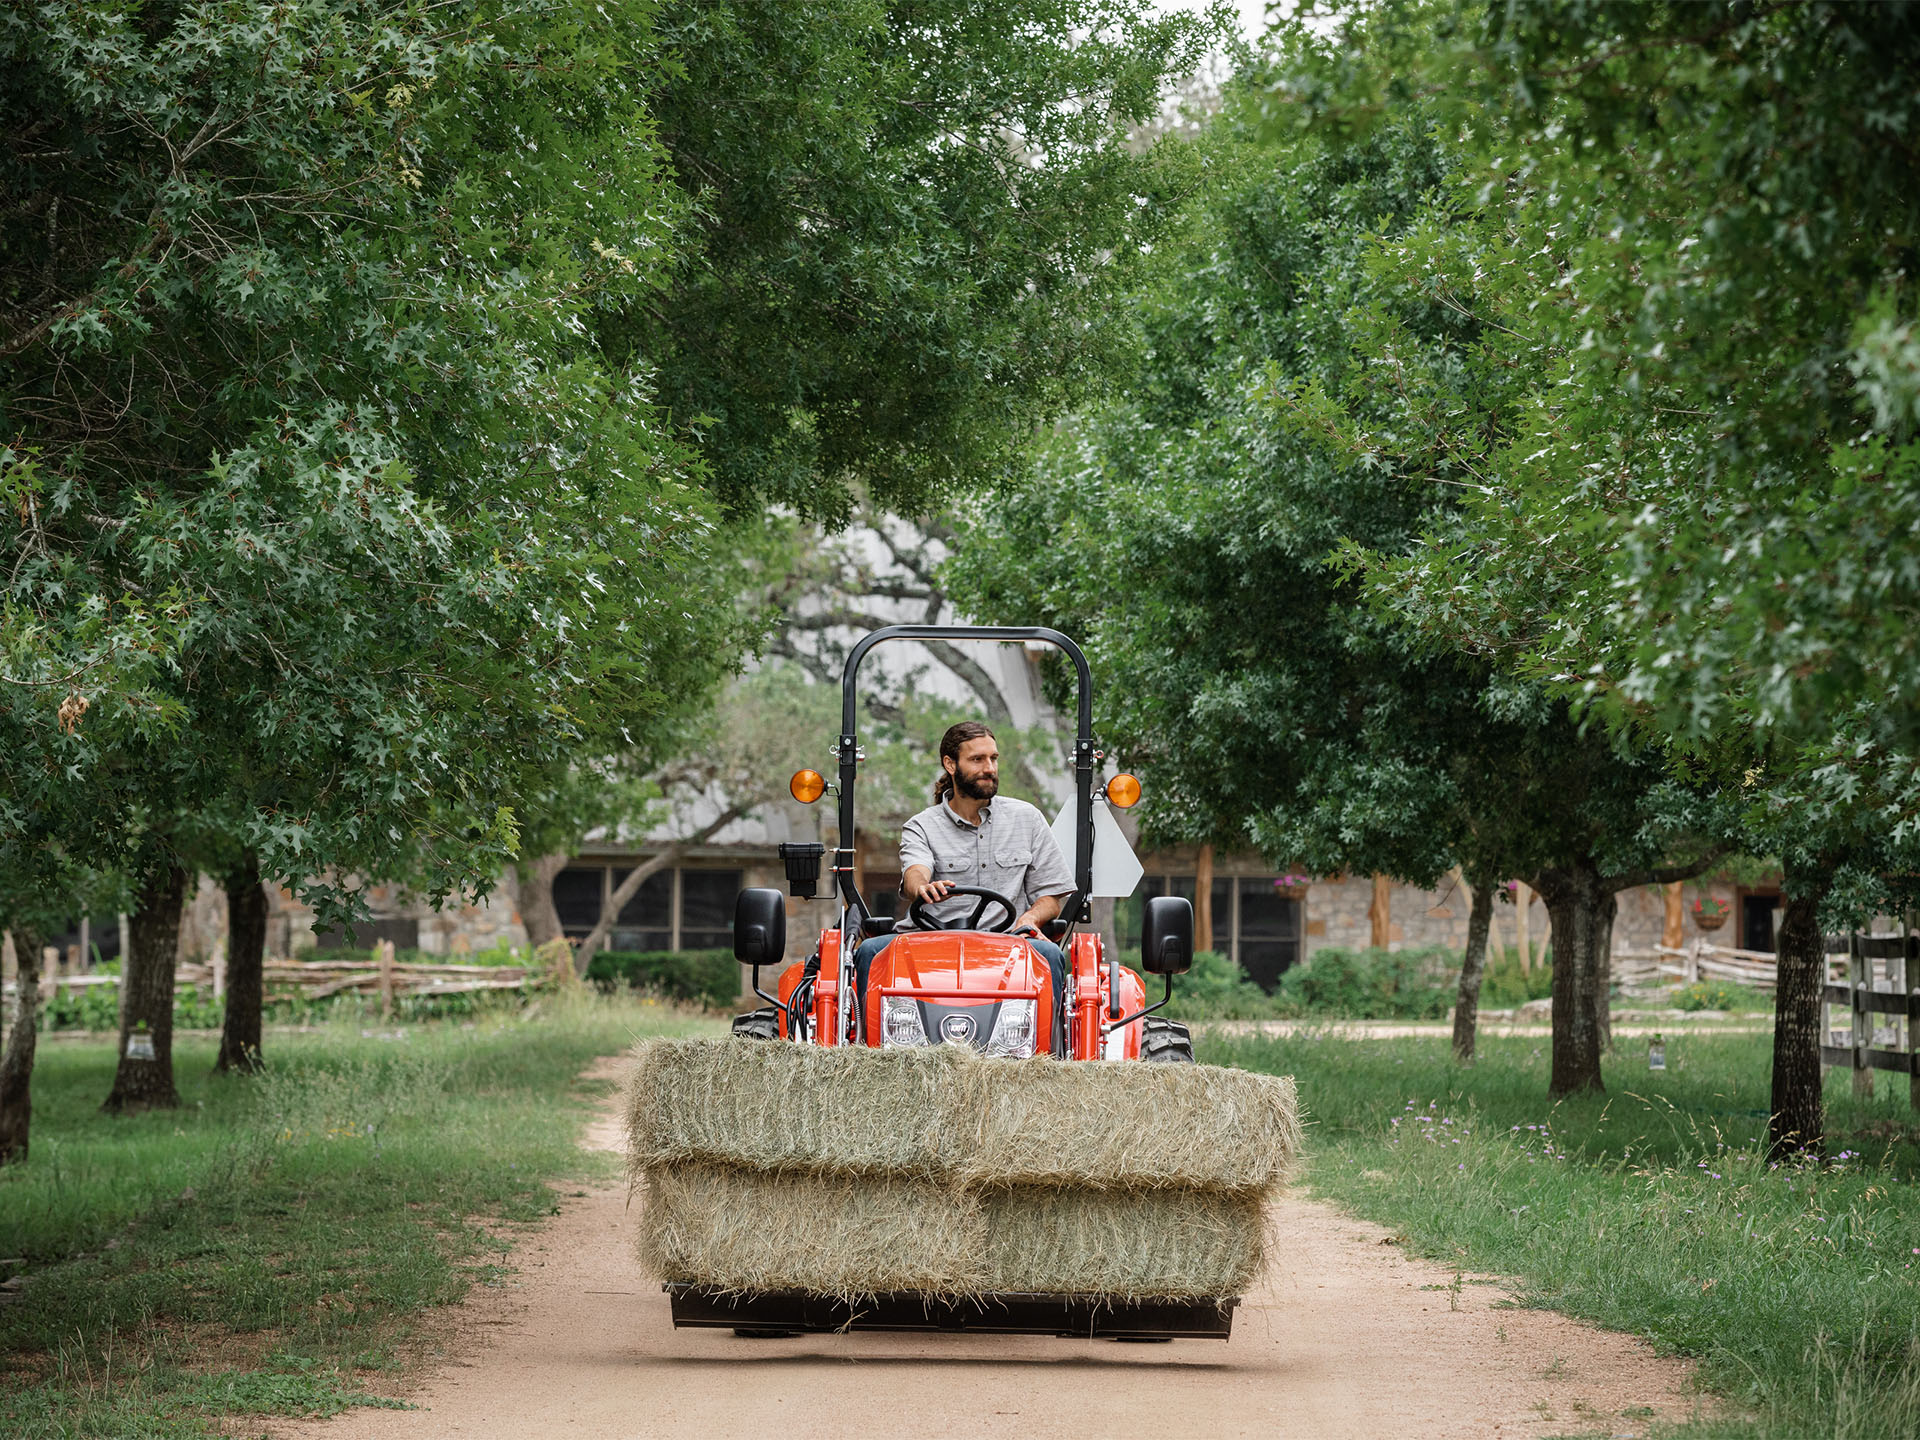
(1011, 850)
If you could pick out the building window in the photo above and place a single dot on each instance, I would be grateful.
(1253, 923)
(674, 909)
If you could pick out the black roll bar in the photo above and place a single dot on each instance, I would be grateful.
(1083, 759)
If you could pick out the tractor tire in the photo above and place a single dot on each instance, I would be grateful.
(761, 1024)
(1165, 1042)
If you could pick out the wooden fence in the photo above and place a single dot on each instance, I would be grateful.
(1873, 981)
(383, 976)
(1647, 970)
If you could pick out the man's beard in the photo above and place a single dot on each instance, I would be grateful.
(984, 788)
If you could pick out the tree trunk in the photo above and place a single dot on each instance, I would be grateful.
(146, 984)
(1673, 926)
(1577, 899)
(16, 1061)
(246, 960)
(1523, 923)
(535, 882)
(1203, 899)
(1603, 971)
(1473, 965)
(1798, 1119)
(1380, 912)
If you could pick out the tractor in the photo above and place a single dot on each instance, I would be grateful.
(971, 983)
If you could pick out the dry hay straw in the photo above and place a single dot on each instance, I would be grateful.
(1122, 1125)
(779, 1106)
(853, 1171)
(947, 1113)
(833, 1235)
(1124, 1245)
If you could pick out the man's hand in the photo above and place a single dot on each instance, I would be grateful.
(919, 884)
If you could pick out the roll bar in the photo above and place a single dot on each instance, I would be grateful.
(1083, 758)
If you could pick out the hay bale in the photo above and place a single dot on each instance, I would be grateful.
(831, 1235)
(1155, 1244)
(1122, 1125)
(824, 1111)
(852, 1172)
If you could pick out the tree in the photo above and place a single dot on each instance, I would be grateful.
(911, 223)
(1253, 448)
(337, 524)
(1701, 530)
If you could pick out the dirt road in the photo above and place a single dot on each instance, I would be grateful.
(1348, 1338)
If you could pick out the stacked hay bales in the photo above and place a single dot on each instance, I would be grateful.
(854, 1172)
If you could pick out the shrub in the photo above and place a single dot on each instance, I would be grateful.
(1373, 984)
(1218, 989)
(1708, 995)
(699, 977)
(1505, 985)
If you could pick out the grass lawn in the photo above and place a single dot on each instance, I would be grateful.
(261, 1249)
(1650, 1210)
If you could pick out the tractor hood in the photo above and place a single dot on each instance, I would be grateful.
(957, 962)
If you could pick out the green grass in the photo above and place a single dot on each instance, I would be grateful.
(275, 1243)
(1651, 1210)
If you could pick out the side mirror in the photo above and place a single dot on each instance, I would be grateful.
(1166, 936)
(760, 927)
(802, 861)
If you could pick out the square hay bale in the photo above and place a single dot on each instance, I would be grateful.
(1123, 1125)
(843, 1236)
(1126, 1245)
(841, 1110)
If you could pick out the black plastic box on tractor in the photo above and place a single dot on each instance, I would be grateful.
(802, 862)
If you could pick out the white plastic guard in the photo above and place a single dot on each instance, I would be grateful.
(1116, 869)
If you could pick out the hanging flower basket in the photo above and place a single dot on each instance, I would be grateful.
(1292, 887)
(1709, 913)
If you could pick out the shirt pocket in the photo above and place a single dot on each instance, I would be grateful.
(944, 866)
(1013, 861)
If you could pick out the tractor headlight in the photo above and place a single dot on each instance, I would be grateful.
(1013, 1032)
(900, 1022)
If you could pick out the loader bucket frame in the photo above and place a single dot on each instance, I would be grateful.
(1076, 910)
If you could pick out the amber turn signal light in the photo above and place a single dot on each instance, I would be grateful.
(1124, 791)
(807, 786)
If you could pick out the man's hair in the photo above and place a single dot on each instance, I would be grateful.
(950, 743)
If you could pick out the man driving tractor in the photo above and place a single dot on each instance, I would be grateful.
(973, 836)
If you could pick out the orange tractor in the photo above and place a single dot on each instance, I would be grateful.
(975, 985)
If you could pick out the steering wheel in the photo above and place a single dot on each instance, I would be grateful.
(917, 912)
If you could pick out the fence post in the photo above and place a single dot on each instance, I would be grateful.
(1910, 982)
(386, 979)
(1860, 985)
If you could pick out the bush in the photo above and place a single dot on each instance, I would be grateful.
(1709, 995)
(1373, 984)
(1218, 989)
(1506, 986)
(699, 977)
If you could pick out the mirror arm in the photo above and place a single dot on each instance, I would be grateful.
(1165, 1000)
(772, 1000)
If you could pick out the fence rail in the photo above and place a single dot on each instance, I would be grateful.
(1702, 960)
(1873, 976)
(318, 979)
